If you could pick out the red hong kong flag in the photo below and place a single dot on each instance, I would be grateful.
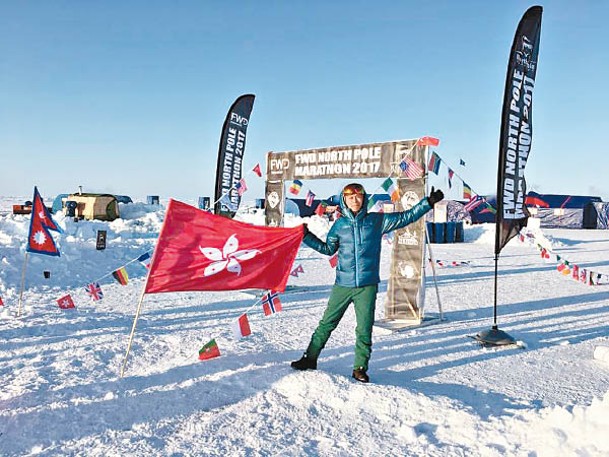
(197, 250)
(66, 302)
(39, 239)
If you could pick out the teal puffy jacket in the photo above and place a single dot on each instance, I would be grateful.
(358, 241)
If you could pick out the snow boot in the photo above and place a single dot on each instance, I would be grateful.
(305, 363)
(360, 375)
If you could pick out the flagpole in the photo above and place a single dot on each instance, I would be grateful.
(22, 282)
(137, 315)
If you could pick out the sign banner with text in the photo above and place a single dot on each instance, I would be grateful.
(405, 288)
(230, 155)
(517, 128)
(374, 160)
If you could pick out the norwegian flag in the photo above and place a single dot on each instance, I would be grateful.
(94, 290)
(271, 303)
(411, 169)
(66, 302)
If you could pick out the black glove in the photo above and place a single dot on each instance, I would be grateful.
(435, 196)
(305, 229)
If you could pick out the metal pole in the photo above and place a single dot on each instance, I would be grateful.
(433, 270)
(495, 303)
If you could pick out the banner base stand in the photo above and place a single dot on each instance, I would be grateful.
(396, 325)
(494, 337)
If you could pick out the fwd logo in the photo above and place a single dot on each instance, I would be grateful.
(236, 119)
(278, 165)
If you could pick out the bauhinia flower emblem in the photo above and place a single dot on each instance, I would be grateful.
(228, 258)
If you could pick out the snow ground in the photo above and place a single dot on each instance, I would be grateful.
(434, 391)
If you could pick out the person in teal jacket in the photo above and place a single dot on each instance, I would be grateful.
(357, 237)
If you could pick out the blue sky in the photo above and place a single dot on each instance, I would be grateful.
(129, 97)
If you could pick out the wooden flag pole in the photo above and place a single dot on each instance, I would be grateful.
(22, 283)
(137, 315)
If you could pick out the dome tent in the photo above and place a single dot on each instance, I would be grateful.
(103, 207)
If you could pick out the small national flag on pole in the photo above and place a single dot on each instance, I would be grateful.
(40, 240)
(94, 290)
(309, 199)
(467, 191)
(241, 327)
(391, 189)
(296, 271)
(145, 259)
(257, 170)
(462, 162)
(1, 302)
(241, 187)
(66, 302)
(434, 163)
(121, 276)
(321, 209)
(209, 351)
(428, 141)
(475, 201)
(271, 303)
(576, 272)
(295, 187)
(411, 169)
(375, 205)
(450, 178)
(333, 260)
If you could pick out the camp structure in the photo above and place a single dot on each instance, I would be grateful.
(562, 211)
(555, 211)
(87, 206)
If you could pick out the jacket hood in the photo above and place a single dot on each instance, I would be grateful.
(346, 212)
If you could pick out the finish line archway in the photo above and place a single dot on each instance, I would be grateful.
(405, 290)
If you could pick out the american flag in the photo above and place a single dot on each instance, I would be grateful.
(241, 187)
(95, 291)
(310, 198)
(411, 169)
(271, 303)
(475, 201)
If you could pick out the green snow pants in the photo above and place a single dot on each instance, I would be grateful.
(364, 302)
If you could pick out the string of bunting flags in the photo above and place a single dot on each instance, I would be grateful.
(473, 200)
(564, 266)
(271, 304)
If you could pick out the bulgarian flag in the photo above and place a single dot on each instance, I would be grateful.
(391, 189)
(209, 351)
